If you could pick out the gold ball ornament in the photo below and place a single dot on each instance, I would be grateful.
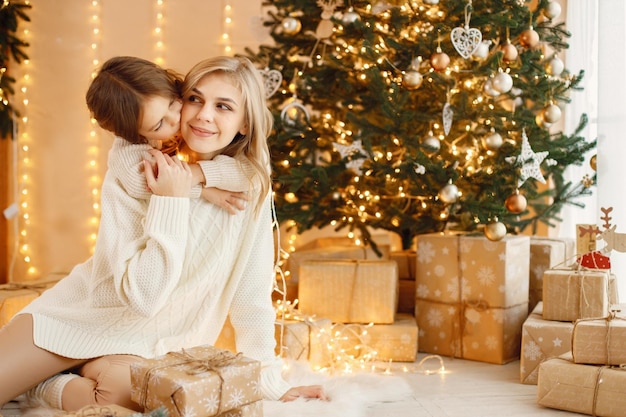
(509, 52)
(516, 203)
(593, 162)
(529, 38)
(291, 25)
(412, 80)
(552, 113)
(439, 60)
(495, 231)
(541, 122)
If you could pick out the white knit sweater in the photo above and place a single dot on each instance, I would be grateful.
(165, 274)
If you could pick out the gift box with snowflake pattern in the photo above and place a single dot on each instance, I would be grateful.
(254, 409)
(546, 253)
(572, 294)
(393, 342)
(472, 295)
(542, 340)
(201, 381)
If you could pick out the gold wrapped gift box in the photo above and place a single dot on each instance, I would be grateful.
(406, 261)
(471, 295)
(572, 294)
(201, 381)
(600, 341)
(15, 296)
(394, 342)
(254, 409)
(322, 250)
(546, 253)
(349, 291)
(587, 389)
(542, 340)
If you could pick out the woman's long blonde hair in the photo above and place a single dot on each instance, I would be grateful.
(258, 118)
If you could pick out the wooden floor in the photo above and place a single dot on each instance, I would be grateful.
(466, 388)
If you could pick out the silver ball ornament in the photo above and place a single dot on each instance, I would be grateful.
(432, 2)
(495, 231)
(291, 25)
(552, 113)
(502, 82)
(541, 122)
(489, 90)
(552, 10)
(555, 66)
(482, 51)
(431, 144)
(412, 79)
(350, 17)
(449, 194)
(493, 141)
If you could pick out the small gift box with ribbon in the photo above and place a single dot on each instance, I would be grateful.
(201, 381)
(542, 340)
(572, 294)
(546, 253)
(304, 339)
(472, 295)
(600, 341)
(349, 291)
(587, 389)
(15, 296)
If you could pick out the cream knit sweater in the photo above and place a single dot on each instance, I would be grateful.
(165, 274)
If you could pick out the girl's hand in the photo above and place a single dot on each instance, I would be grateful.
(172, 177)
(229, 201)
(306, 391)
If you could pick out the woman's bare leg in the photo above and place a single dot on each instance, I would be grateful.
(22, 364)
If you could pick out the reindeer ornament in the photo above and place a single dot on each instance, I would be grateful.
(613, 242)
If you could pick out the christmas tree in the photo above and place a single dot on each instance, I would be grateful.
(11, 48)
(419, 116)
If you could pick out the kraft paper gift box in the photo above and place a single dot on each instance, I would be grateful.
(406, 260)
(572, 294)
(349, 291)
(394, 342)
(471, 331)
(254, 409)
(542, 340)
(406, 296)
(15, 296)
(600, 341)
(546, 253)
(305, 339)
(201, 381)
(586, 389)
(330, 252)
(470, 295)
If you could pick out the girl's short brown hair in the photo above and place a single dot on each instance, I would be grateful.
(116, 95)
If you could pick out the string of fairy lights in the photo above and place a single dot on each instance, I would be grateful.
(24, 160)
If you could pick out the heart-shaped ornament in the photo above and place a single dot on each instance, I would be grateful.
(466, 40)
(271, 80)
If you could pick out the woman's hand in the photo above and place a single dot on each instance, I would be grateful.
(306, 391)
(171, 177)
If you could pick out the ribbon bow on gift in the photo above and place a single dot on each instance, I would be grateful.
(202, 365)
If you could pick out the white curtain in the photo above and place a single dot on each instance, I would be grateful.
(597, 46)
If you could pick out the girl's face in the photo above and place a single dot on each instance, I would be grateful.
(212, 115)
(161, 119)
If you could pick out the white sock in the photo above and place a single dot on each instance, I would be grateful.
(50, 391)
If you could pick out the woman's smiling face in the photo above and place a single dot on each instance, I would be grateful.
(213, 114)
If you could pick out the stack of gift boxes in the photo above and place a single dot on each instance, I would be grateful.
(472, 295)
(575, 340)
(353, 302)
